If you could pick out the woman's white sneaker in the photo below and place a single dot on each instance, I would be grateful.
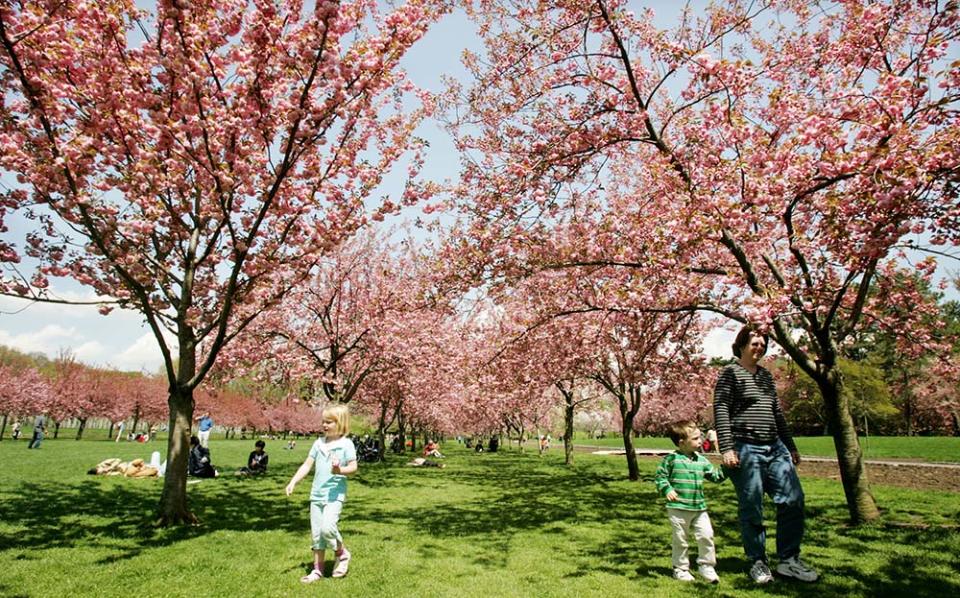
(797, 569)
(760, 573)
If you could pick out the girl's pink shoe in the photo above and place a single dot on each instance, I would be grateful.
(343, 564)
(312, 577)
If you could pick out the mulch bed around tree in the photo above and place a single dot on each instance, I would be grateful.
(904, 476)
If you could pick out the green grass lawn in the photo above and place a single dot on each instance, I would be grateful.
(922, 448)
(505, 524)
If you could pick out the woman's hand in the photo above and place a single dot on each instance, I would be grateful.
(730, 459)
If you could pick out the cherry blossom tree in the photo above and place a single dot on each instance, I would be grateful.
(25, 391)
(774, 154)
(195, 163)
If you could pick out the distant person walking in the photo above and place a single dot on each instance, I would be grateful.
(206, 424)
(759, 456)
(39, 426)
(16, 430)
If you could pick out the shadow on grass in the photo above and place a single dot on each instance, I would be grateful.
(114, 510)
(598, 521)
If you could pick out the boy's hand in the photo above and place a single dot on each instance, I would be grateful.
(289, 488)
(672, 495)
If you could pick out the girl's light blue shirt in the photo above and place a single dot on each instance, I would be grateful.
(327, 486)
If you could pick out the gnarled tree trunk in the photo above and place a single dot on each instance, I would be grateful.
(853, 473)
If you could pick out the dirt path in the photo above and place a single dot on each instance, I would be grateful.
(902, 473)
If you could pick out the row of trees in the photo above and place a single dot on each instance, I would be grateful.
(64, 389)
(768, 161)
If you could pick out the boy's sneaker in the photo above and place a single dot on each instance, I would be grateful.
(682, 575)
(343, 564)
(760, 573)
(709, 573)
(797, 569)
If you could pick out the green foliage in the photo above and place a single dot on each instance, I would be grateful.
(871, 403)
(504, 524)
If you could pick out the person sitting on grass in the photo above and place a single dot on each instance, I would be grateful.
(198, 464)
(257, 461)
(679, 478)
(431, 449)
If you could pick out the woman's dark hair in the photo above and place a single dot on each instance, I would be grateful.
(743, 339)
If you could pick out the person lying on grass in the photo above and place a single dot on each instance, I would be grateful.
(421, 462)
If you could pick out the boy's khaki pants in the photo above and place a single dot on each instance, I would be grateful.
(696, 524)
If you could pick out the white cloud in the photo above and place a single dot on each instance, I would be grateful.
(143, 355)
(717, 343)
(48, 340)
(90, 352)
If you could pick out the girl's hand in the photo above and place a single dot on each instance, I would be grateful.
(672, 495)
(335, 465)
(290, 487)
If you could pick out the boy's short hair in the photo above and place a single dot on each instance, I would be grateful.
(680, 430)
(260, 444)
(340, 413)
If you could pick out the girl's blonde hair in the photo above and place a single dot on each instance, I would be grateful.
(340, 413)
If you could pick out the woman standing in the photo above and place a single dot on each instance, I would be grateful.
(759, 456)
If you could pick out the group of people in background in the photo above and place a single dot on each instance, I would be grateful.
(758, 455)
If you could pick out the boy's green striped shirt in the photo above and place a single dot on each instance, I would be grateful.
(685, 475)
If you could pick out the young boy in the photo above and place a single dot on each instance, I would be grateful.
(679, 478)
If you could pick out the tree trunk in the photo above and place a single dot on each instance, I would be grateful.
(956, 422)
(173, 507)
(110, 433)
(401, 433)
(382, 431)
(56, 430)
(568, 431)
(81, 427)
(853, 473)
(3, 428)
(136, 420)
(626, 417)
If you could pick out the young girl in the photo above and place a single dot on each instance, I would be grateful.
(336, 458)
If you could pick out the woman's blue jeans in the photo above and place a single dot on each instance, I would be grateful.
(767, 469)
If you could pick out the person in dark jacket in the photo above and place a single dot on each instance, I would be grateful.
(198, 464)
(257, 461)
